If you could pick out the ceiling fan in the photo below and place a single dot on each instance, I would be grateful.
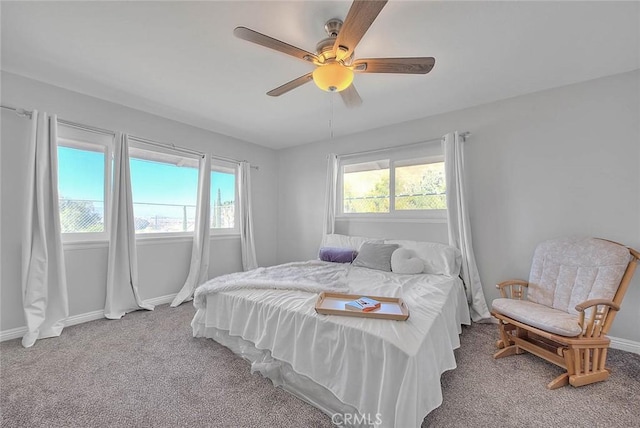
(334, 57)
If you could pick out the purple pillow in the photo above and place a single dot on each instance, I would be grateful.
(337, 255)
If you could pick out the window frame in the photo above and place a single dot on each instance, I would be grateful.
(72, 137)
(227, 168)
(400, 159)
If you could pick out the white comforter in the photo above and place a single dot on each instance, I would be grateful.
(312, 277)
(380, 367)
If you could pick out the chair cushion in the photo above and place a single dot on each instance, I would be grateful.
(540, 316)
(569, 271)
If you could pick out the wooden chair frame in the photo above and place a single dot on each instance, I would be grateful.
(584, 356)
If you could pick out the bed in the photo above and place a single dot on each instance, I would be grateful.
(360, 371)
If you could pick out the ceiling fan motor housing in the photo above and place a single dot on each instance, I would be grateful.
(324, 48)
(333, 26)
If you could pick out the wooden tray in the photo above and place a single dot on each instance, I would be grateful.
(391, 308)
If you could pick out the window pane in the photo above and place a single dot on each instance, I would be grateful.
(420, 187)
(81, 190)
(164, 194)
(223, 200)
(366, 188)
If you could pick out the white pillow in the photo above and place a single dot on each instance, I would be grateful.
(406, 261)
(438, 259)
(344, 241)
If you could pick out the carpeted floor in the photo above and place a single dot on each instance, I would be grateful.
(512, 392)
(147, 370)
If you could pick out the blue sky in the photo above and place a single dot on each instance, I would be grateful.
(81, 176)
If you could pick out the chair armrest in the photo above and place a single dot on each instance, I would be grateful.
(595, 302)
(597, 324)
(515, 288)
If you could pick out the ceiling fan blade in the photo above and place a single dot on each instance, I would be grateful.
(420, 65)
(360, 17)
(290, 85)
(351, 97)
(249, 35)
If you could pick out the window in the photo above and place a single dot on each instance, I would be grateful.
(366, 187)
(420, 186)
(84, 177)
(164, 184)
(164, 187)
(400, 186)
(224, 213)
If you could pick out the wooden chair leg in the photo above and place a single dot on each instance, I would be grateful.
(590, 366)
(505, 352)
(584, 366)
(585, 379)
(569, 362)
(560, 381)
(505, 344)
(504, 336)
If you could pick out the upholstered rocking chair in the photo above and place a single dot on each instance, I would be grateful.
(575, 289)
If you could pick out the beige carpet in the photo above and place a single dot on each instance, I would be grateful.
(511, 391)
(146, 370)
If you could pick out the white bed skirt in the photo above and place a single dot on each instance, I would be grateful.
(282, 375)
(385, 372)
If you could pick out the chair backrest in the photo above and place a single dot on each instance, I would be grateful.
(569, 271)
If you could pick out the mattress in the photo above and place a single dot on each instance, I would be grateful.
(388, 371)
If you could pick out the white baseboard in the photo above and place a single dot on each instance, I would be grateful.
(162, 300)
(86, 317)
(625, 345)
(15, 333)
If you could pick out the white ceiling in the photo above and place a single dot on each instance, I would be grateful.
(180, 59)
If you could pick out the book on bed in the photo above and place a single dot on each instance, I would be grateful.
(363, 304)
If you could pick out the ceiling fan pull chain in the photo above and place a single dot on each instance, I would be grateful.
(331, 94)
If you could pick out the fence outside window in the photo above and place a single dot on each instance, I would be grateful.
(86, 215)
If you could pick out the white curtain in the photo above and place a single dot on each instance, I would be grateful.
(199, 269)
(44, 283)
(249, 260)
(330, 196)
(459, 225)
(122, 267)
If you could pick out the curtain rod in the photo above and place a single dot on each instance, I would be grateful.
(88, 128)
(19, 111)
(165, 145)
(464, 135)
(26, 113)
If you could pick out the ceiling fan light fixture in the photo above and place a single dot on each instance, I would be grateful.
(332, 77)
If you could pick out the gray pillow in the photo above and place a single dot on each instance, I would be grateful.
(375, 256)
